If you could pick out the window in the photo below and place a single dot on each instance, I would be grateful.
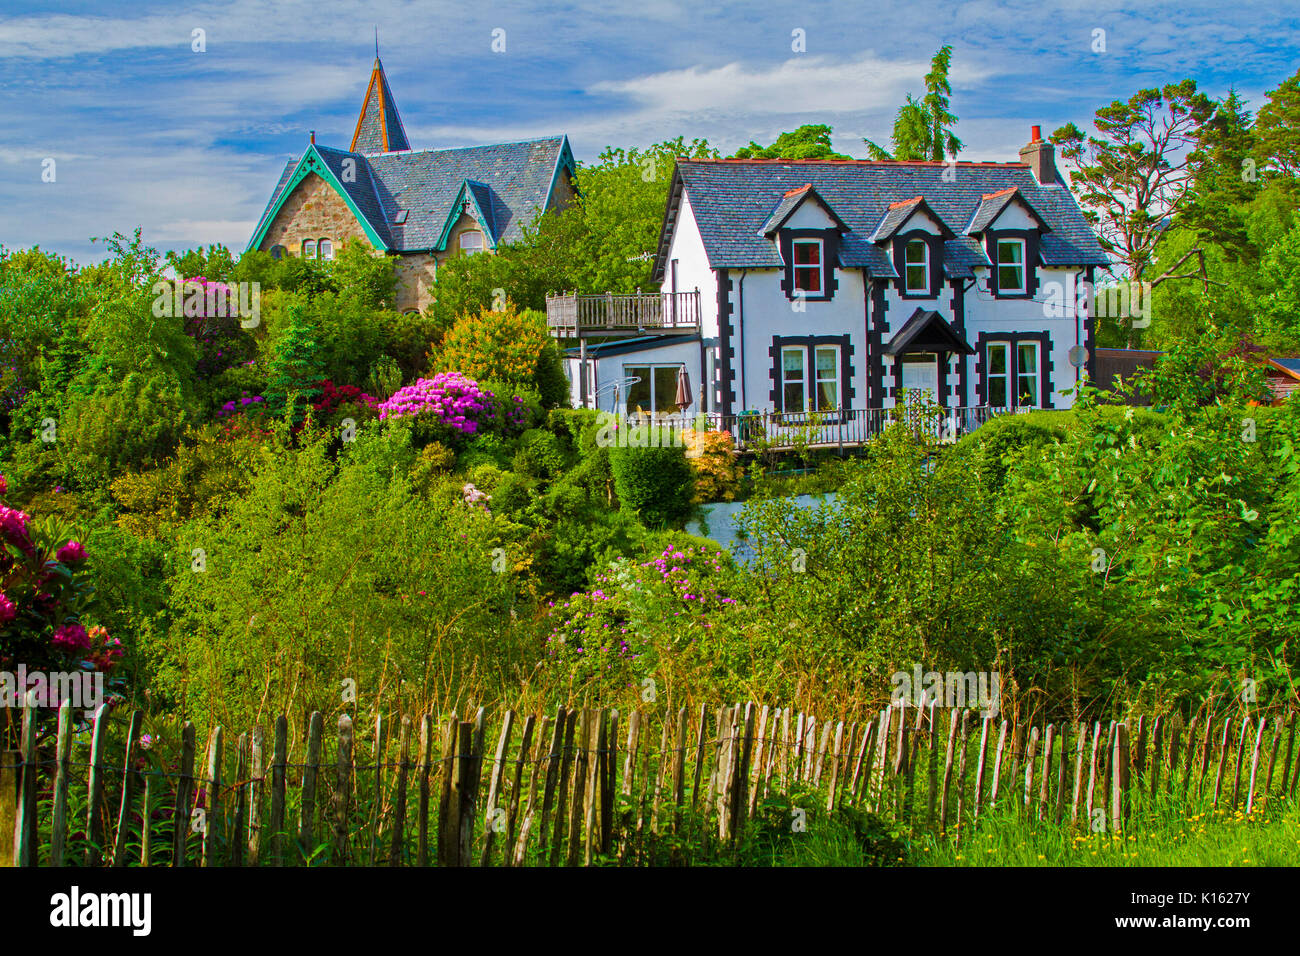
(807, 255)
(1027, 374)
(828, 379)
(996, 375)
(1011, 265)
(1000, 378)
(916, 269)
(471, 242)
(793, 392)
(814, 386)
(655, 392)
(309, 248)
(326, 249)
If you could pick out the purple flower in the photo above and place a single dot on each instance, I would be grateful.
(73, 551)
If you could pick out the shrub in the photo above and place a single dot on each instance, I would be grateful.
(653, 479)
(539, 454)
(714, 464)
(506, 346)
(448, 407)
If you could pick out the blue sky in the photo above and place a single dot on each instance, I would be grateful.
(146, 132)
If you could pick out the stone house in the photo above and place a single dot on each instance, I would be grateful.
(421, 206)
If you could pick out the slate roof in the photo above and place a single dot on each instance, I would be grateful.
(732, 199)
(379, 127)
(510, 183)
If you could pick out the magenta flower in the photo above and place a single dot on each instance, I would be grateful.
(71, 638)
(71, 552)
(8, 610)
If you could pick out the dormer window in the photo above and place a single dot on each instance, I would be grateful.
(917, 267)
(471, 242)
(807, 255)
(1011, 266)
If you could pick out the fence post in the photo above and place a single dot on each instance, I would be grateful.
(342, 792)
(184, 796)
(25, 831)
(62, 773)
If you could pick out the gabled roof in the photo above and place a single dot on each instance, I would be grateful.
(508, 183)
(476, 198)
(927, 332)
(900, 212)
(733, 199)
(792, 200)
(379, 127)
(992, 204)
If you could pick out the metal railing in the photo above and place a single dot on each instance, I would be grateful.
(569, 316)
(753, 430)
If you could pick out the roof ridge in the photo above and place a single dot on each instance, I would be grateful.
(447, 149)
(861, 162)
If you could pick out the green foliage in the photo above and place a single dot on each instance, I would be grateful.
(296, 368)
(923, 129)
(539, 455)
(807, 142)
(652, 477)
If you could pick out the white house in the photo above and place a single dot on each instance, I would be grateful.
(846, 287)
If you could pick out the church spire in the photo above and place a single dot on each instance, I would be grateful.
(379, 128)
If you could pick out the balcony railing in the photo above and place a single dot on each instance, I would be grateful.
(574, 316)
(778, 431)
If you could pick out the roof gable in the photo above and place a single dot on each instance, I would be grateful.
(993, 205)
(904, 211)
(351, 180)
(794, 200)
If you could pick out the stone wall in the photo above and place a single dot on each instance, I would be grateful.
(312, 211)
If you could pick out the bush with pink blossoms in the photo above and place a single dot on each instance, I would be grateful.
(447, 405)
(45, 598)
(639, 613)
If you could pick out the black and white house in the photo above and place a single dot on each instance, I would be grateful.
(847, 287)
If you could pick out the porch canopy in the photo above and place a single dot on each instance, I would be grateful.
(927, 332)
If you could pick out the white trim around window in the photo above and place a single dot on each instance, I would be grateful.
(999, 377)
(810, 383)
(471, 242)
(806, 256)
(1011, 266)
(916, 268)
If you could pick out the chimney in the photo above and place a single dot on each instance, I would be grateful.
(313, 136)
(1040, 156)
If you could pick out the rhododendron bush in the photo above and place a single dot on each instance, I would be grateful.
(45, 594)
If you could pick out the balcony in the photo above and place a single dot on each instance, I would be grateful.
(657, 313)
(846, 428)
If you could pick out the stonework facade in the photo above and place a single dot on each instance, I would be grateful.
(313, 211)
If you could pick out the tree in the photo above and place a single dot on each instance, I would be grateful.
(923, 129)
(296, 368)
(807, 142)
(1278, 129)
(1136, 176)
(1223, 180)
(500, 346)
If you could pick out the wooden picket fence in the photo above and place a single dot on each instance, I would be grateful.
(584, 786)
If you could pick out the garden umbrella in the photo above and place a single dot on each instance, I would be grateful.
(683, 399)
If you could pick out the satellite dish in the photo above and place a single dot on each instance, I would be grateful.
(277, 252)
(1078, 356)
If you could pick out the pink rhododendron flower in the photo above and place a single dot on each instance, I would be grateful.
(8, 610)
(71, 638)
(72, 551)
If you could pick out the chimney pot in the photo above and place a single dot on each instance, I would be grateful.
(1040, 156)
(313, 136)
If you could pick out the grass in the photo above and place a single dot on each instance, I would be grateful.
(1166, 835)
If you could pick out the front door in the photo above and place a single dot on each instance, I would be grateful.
(920, 377)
